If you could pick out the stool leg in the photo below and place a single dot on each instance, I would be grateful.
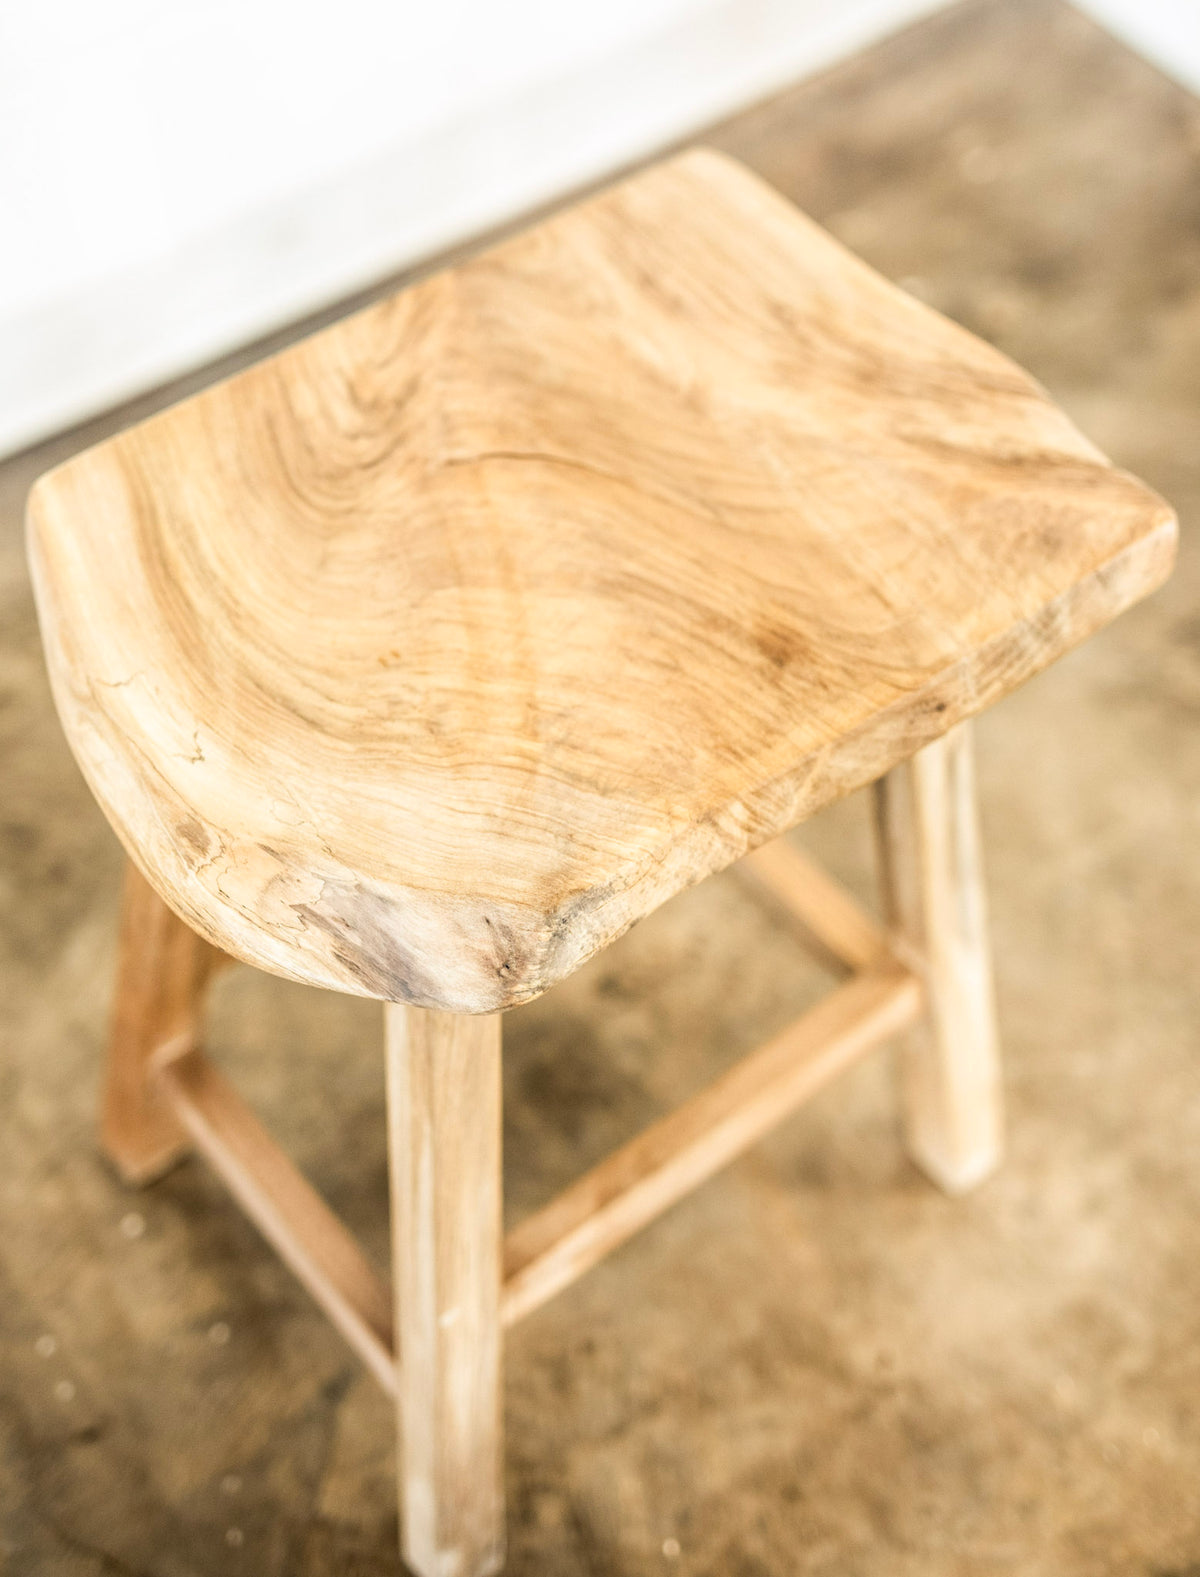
(933, 893)
(162, 970)
(444, 1122)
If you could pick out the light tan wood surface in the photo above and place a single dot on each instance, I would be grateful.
(161, 1095)
(444, 1128)
(932, 867)
(163, 968)
(422, 659)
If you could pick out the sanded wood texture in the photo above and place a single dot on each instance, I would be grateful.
(425, 657)
(444, 1127)
(932, 868)
(163, 968)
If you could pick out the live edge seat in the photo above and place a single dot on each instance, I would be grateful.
(423, 659)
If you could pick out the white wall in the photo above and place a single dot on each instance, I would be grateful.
(177, 179)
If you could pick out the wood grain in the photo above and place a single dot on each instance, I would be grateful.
(444, 1127)
(163, 968)
(557, 1244)
(422, 659)
(934, 895)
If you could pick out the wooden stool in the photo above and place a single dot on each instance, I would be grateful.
(423, 659)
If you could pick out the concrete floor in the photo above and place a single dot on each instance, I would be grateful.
(817, 1364)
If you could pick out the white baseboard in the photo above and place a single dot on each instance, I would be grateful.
(101, 340)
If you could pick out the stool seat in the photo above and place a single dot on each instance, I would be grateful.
(422, 659)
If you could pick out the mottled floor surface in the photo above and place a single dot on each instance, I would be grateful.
(817, 1364)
